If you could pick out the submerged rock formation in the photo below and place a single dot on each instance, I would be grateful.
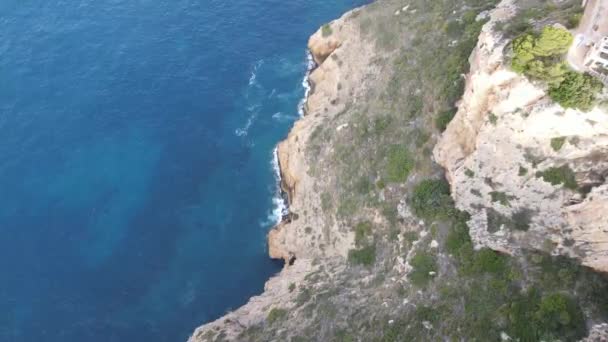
(506, 146)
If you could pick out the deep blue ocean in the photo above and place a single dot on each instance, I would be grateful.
(136, 177)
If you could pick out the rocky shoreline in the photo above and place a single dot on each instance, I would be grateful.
(286, 240)
(357, 79)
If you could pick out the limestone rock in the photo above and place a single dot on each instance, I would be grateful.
(498, 145)
(304, 234)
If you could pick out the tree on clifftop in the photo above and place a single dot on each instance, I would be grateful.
(540, 57)
(552, 41)
(540, 52)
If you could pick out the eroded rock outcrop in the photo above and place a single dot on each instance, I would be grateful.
(304, 235)
(492, 151)
(532, 174)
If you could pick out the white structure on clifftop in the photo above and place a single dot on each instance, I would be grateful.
(589, 51)
(598, 55)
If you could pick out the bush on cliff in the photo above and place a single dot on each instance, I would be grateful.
(576, 91)
(540, 57)
(400, 163)
(365, 256)
(559, 175)
(431, 199)
(276, 314)
(424, 268)
(326, 30)
(533, 317)
(444, 118)
(552, 42)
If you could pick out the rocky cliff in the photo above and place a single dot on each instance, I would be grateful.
(303, 235)
(504, 140)
(374, 247)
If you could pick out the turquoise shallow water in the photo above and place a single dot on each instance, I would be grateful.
(136, 143)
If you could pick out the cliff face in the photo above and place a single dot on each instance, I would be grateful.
(336, 76)
(304, 236)
(363, 261)
(506, 133)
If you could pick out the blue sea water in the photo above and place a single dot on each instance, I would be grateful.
(136, 139)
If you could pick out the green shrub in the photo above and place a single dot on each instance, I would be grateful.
(343, 336)
(574, 20)
(444, 118)
(422, 137)
(304, 296)
(431, 199)
(423, 264)
(554, 309)
(501, 197)
(292, 287)
(493, 118)
(275, 315)
(469, 173)
(559, 175)
(362, 230)
(400, 164)
(550, 43)
(347, 208)
(365, 256)
(522, 171)
(576, 91)
(552, 317)
(458, 237)
(495, 220)
(454, 28)
(326, 30)
(541, 57)
(557, 143)
(390, 213)
(381, 123)
(489, 261)
(427, 313)
(521, 219)
(514, 27)
(363, 185)
(550, 72)
(410, 237)
(460, 246)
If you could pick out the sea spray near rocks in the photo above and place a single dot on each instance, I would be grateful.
(280, 200)
(311, 65)
(254, 72)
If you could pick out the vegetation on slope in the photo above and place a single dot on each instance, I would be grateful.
(529, 297)
(540, 57)
(450, 291)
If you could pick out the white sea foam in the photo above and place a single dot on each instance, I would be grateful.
(279, 206)
(243, 131)
(282, 117)
(310, 64)
(254, 73)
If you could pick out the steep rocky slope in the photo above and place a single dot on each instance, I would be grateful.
(303, 235)
(374, 248)
(507, 132)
